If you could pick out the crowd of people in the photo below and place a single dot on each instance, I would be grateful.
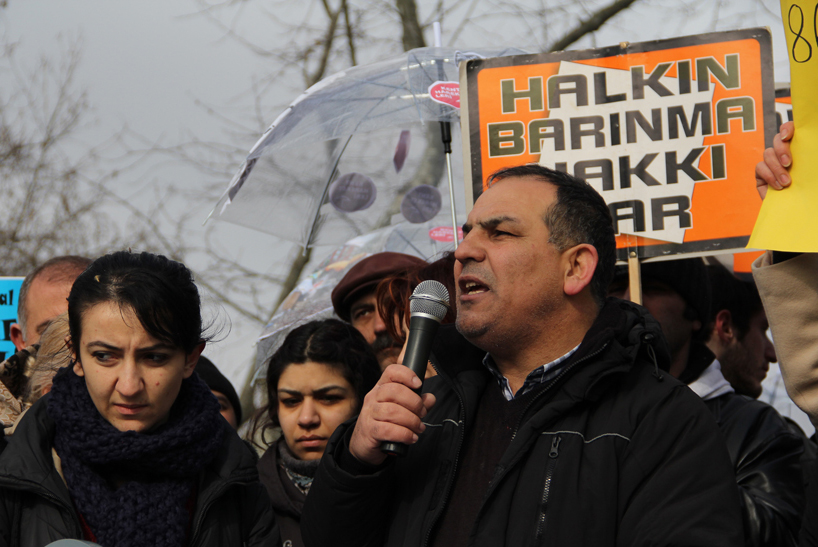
(553, 410)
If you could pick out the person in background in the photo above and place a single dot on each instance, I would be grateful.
(52, 355)
(677, 294)
(43, 297)
(222, 389)
(393, 293)
(128, 449)
(315, 381)
(765, 453)
(355, 302)
(739, 332)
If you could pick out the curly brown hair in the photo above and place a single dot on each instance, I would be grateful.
(393, 293)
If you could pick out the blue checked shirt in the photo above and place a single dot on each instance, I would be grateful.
(539, 375)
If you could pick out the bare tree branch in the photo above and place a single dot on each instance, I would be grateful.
(348, 24)
(592, 24)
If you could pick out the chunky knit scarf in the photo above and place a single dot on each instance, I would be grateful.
(159, 468)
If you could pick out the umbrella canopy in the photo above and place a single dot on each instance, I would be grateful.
(309, 181)
(310, 300)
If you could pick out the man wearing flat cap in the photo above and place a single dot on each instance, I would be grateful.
(354, 299)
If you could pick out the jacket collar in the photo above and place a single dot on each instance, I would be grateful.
(620, 332)
(282, 500)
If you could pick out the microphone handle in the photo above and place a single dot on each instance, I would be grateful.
(422, 330)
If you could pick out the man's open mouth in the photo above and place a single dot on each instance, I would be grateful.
(472, 287)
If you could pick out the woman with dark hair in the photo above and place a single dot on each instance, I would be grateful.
(316, 381)
(129, 448)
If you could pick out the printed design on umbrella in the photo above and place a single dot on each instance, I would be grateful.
(352, 192)
(446, 93)
(421, 204)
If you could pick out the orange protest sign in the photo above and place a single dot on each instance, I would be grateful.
(668, 132)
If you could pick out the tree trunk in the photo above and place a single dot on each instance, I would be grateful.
(412, 31)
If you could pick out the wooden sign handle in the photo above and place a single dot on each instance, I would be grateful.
(634, 278)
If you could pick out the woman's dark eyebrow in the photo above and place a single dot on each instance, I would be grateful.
(325, 389)
(155, 347)
(320, 391)
(102, 344)
(106, 345)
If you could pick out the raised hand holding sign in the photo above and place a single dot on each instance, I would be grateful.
(786, 221)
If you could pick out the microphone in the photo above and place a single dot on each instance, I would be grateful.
(427, 308)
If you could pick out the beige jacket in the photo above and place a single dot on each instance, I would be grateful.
(789, 291)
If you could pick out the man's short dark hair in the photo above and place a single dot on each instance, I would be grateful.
(579, 215)
(60, 269)
(739, 297)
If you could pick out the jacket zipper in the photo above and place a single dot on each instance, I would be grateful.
(553, 454)
(453, 472)
(494, 480)
(501, 472)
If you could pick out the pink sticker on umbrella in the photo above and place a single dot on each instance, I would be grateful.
(444, 234)
(446, 93)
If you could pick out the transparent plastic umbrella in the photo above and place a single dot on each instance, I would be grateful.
(339, 160)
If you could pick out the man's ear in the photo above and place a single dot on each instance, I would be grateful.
(723, 327)
(580, 264)
(192, 358)
(16, 335)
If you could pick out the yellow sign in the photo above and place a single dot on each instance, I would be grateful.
(786, 221)
(668, 132)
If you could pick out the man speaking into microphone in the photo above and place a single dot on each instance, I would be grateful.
(552, 420)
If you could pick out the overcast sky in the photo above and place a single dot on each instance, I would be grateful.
(146, 62)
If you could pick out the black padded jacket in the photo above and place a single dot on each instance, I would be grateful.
(613, 452)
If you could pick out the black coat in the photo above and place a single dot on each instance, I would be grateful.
(613, 452)
(767, 458)
(232, 508)
(287, 500)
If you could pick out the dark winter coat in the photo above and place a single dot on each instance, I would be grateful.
(767, 459)
(287, 500)
(612, 452)
(232, 508)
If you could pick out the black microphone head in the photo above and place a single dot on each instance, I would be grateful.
(431, 299)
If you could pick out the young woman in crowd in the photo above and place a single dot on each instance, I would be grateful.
(129, 449)
(315, 381)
